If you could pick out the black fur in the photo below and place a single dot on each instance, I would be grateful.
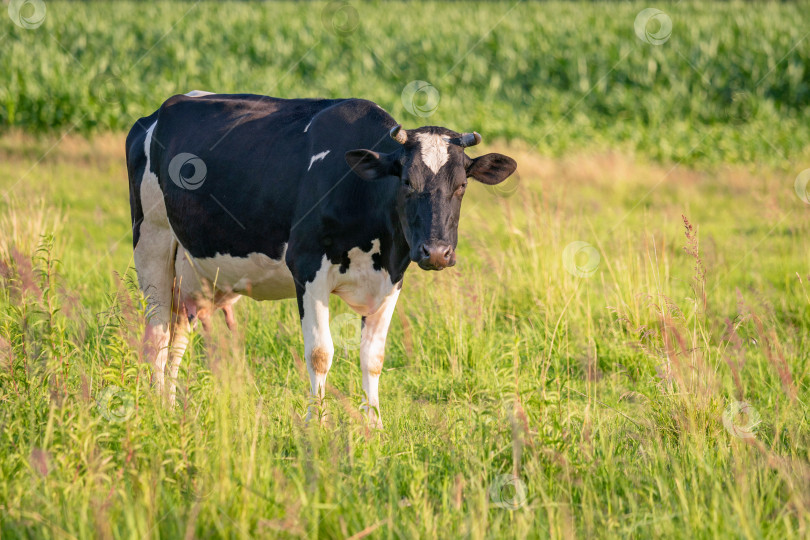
(260, 192)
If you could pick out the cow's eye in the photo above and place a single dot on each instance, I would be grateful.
(460, 189)
(407, 183)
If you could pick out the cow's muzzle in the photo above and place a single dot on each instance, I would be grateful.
(436, 256)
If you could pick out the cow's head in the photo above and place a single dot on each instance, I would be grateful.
(433, 170)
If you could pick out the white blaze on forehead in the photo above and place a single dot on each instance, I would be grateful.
(317, 157)
(434, 150)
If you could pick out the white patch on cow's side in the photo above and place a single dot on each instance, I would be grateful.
(154, 229)
(433, 149)
(198, 93)
(307, 128)
(317, 157)
(256, 275)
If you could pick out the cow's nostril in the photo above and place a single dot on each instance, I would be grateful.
(436, 256)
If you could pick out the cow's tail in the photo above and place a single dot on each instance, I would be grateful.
(136, 167)
(155, 251)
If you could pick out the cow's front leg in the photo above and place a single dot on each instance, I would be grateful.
(372, 354)
(313, 304)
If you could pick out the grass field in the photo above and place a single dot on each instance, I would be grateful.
(729, 84)
(654, 384)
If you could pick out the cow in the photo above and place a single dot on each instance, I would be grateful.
(245, 195)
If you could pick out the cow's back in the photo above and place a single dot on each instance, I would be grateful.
(263, 174)
(245, 157)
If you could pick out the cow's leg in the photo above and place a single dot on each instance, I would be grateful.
(154, 263)
(153, 256)
(155, 346)
(313, 304)
(180, 329)
(230, 321)
(184, 309)
(372, 354)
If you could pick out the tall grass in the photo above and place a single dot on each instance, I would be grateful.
(520, 399)
(654, 383)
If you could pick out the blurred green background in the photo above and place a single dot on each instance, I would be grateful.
(728, 83)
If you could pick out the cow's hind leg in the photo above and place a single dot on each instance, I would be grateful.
(180, 328)
(230, 321)
(153, 262)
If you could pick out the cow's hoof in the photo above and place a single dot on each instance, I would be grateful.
(374, 420)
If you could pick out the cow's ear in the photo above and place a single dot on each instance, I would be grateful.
(370, 165)
(491, 168)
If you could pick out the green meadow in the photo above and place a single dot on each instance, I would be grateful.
(621, 351)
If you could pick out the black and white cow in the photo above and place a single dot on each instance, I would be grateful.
(236, 195)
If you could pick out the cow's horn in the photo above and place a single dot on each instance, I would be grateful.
(469, 139)
(398, 134)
